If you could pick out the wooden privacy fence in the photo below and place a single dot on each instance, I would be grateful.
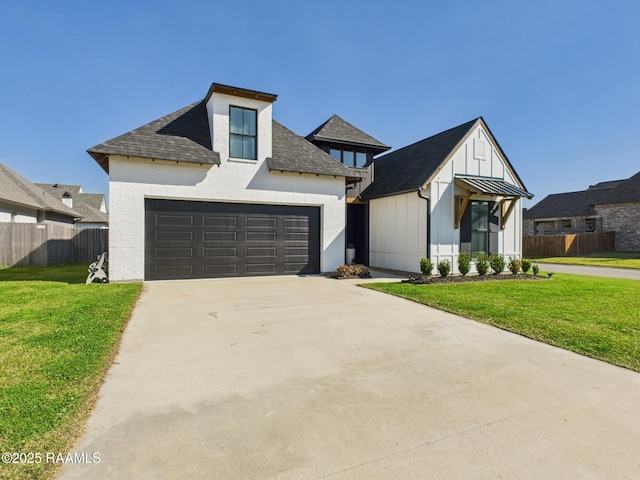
(38, 245)
(570, 245)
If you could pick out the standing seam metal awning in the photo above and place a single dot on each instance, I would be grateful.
(487, 186)
(491, 186)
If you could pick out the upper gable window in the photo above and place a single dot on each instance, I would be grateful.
(243, 133)
(351, 158)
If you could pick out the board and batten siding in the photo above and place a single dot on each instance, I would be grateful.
(476, 156)
(398, 232)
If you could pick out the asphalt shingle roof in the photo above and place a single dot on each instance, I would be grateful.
(577, 204)
(292, 153)
(86, 204)
(338, 130)
(181, 136)
(409, 168)
(16, 189)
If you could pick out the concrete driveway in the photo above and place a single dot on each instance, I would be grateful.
(313, 378)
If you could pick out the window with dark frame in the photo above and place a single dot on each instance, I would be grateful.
(479, 228)
(349, 157)
(243, 133)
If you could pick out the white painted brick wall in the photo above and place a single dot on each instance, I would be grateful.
(133, 180)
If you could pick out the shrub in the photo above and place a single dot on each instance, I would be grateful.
(426, 266)
(514, 265)
(497, 263)
(444, 267)
(525, 265)
(536, 269)
(464, 263)
(482, 264)
(356, 270)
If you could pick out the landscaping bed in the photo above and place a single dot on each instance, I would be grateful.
(421, 279)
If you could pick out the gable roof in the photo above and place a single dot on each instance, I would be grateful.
(16, 189)
(180, 136)
(340, 131)
(86, 204)
(409, 168)
(292, 153)
(583, 203)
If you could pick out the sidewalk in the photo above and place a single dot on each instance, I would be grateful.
(631, 273)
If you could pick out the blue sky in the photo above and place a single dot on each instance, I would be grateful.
(558, 82)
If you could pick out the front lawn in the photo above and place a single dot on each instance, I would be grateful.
(595, 316)
(57, 340)
(609, 259)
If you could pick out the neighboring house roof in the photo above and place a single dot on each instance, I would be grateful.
(409, 168)
(181, 136)
(16, 189)
(89, 205)
(582, 203)
(340, 131)
(292, 153)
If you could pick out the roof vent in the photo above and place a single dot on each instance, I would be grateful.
(478, 149)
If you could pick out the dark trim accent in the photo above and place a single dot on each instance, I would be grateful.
(428, 222)
(240, 92)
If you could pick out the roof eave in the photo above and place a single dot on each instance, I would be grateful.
(379, 147)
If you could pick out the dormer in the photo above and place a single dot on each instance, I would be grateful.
(240, 123)
(346, 143)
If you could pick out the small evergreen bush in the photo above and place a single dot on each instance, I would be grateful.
(444, 267)
(514, 265)
(525, 265)
(426, 266)
(536, 269)
(464, 263)
(497, 263)
(482, 264)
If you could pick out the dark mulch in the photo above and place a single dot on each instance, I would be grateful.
(421, 279)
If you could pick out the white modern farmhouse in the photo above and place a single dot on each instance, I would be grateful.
(220, 189)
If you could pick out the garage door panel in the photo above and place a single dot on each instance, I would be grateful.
(220, 252)
(261, 222)
(270, 252)
(174, 220)
(173, 236)
(219, 222)
(261, 236)
(213, 236)
(228, 270)
(187, 239)
(166, 253)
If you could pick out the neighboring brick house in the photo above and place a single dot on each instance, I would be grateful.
(612, 206)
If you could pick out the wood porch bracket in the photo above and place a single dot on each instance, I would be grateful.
(504, 214)
(460, 206)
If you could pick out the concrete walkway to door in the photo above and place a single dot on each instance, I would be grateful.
(313, 378)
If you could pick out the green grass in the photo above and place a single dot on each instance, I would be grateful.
(595, 316)
(57, 340)
(610, 259)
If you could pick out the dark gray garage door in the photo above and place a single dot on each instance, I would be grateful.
(201, 239)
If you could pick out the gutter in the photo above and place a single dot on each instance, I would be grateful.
(428, 221)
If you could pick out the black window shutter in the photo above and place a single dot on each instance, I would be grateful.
(465, 230)
(494, 226)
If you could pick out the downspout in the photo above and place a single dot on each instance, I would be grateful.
(428, 221)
